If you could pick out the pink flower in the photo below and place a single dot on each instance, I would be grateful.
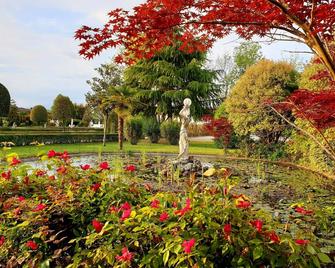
(32, 245)
(273, 237)
(126, 255)
(243, 204)
(125, 206)
(174, 204)
(104, 165)
(301, 242)
(258, 224)
(97, 225)
(85, 167)
(61, 170)
(187, 245)
(227, 229)
(21, 198)
(303, 211)
(163, 217)
(6, 175)
(185, 209)
(130, 168)
(40, 173)
(95, 187)
(125, 214)
(155, 203)
(2, 240)
(40, 207)
(15, 161)
(52, 154)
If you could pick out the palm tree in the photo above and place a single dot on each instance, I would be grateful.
(121, 101)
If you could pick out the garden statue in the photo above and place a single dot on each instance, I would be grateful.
(14, 125)
(57, 123)
(185, 118)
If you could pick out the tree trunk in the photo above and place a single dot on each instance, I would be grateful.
(120, 132)
(105, 128)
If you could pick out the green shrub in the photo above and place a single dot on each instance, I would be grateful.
(4, 101)
(134, 129)
(170, 130)
(39, 114)
(79, 217)
(151, 128)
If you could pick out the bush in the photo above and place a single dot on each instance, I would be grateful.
(151, 128)
(39, 114)
(170, 130)
(71, 216)
(197, 130)
(134, 129)
(4, 101)
(56, 138)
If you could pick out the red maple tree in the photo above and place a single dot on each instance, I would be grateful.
(220, 128)
(198, 23)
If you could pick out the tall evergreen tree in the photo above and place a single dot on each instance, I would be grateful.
(4, 101)
(165, 80)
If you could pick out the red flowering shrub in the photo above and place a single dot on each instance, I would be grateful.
(220, 129)
(72, 220)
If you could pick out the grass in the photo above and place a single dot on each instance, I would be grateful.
(196, 147)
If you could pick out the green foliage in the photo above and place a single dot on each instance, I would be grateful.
(55, 138)
(4, 101)
(165, 80)
(246, 105)
(79, 217)
(151, 128)
(87, 117)
(134, 129)
(79, 111)
(170, 130)
(39, 114)
(62, 109)
(13, 115)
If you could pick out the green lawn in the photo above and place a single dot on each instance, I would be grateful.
(143, 146)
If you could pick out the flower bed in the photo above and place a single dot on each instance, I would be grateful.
(102, 216)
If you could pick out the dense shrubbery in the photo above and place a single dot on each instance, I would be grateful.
(170, 131)
(99, 217)
(151, 128)
(134, 130)
(56, 138)
(39, 114)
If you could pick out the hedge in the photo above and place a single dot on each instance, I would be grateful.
(56, 138)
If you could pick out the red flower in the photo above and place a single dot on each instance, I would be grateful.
(95, 187)
(97, 225)
(65, 156)
(154, 204)
(32, 245)
(85, 167)
(52, 177)
(187, 245)
(301, 242)
(303, 211)
(17, 211)
(125, 206)
(61, 170)
(104, 165)
(174, 204)
(125, 214)
(126, 255)
(243, 204)
(273, 237)
(40, 173)
(15, 161)
(21, 198)
(52, 153)
(185, 209)
(258, 224)
(163, 217)
(40, 207)
(2, 240)
(6, 175)
(26, 180)
(130, 168)
(227, 229)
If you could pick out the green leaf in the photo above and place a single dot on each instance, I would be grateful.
(324, 258)
(166, 257)
(311, 250)
(257, 253)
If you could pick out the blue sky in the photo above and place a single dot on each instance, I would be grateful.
(39, 56)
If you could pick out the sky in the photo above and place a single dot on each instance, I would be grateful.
(39, 57)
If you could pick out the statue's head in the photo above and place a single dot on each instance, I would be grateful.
(187, 102)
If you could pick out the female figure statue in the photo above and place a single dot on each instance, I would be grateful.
(185, 118)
